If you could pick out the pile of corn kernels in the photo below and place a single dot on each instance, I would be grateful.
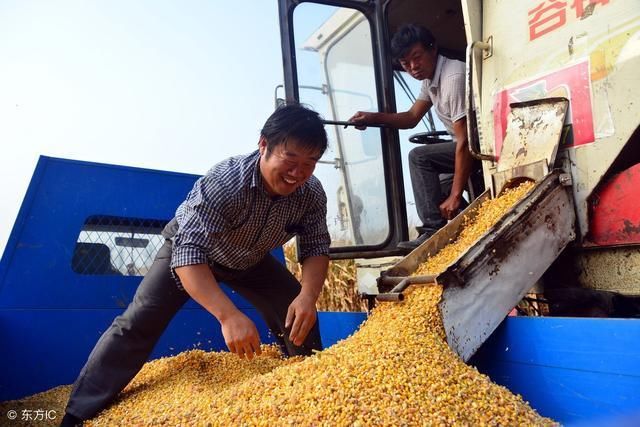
(486, 216)
(397, 369)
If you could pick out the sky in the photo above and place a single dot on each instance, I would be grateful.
(166, 85)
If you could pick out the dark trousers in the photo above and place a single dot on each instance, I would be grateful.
(125, 346)
(426, 163)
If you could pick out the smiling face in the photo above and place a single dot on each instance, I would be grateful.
(420, 62)
(286, 167)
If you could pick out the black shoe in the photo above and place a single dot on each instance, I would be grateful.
(70, 421)
(412, 244)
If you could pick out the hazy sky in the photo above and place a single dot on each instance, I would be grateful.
(160, 84)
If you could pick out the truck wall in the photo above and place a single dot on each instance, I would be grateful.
(573, 370)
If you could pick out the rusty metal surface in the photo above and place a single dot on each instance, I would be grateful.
(614, 209)
(505, 179)
(483, 285)
(533, 133)
(615, 269)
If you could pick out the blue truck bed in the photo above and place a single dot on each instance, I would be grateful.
(54, 304)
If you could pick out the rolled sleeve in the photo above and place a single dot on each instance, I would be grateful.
(315, 239)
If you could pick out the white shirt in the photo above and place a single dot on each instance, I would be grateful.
(446, 91)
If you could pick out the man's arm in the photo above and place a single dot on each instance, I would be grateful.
(405, 120)
(239, 332)
(463, 164)
(199, 221)
(301, 315)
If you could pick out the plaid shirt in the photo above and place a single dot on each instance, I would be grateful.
(228, 218)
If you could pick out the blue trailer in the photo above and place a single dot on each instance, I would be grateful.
(75, 257)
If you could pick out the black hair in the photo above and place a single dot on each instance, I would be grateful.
(408, 35)
(295, 121)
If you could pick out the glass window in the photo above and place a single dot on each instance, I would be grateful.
(406, 91)
(336, 77)
(109, 245)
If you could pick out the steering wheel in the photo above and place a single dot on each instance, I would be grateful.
(429, 137)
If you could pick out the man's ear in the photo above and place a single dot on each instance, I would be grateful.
(262, 145)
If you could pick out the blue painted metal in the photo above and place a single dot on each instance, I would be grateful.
(338, 326)
(573, 370)
(35, 270)
(50, 316)
(569, 369)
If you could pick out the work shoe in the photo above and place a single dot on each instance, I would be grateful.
(70, 421)
(412, 244)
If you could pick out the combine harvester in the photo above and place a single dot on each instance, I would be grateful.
(552, 86)
(551, 90)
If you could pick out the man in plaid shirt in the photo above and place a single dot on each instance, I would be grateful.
(233, 217)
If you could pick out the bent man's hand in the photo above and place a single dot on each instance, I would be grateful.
(301, 317)
(361, 119)
(449, 208)
(241, 335)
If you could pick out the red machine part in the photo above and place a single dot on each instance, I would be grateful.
(615, 211)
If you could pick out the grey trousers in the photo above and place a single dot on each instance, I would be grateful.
(426, 163)
(126, 345)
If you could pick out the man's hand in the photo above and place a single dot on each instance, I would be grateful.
(239, 332)
(361, 119)
(449, 208)
(241, 335)
(462, 170)
(301, 317)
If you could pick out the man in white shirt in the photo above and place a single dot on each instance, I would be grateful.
(443, 88)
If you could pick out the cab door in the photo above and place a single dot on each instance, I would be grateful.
(335, 60)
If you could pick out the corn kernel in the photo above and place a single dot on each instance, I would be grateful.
(397, 369)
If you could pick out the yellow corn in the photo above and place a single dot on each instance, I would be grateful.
(487, 215)
(395, 370)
